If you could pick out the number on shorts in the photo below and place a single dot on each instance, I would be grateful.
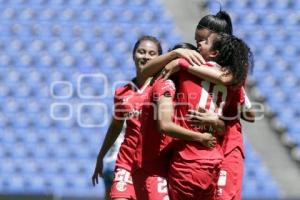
(123, 175)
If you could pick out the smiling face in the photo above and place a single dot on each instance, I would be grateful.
(205, 47)
(146, 51)
(201, 35)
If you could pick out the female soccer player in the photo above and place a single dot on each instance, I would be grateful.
(232, 166)
(231, 174)
(157, 131)
(127, 102)
(194, 169)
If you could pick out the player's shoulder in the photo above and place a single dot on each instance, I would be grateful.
(125, 89)
(162, 83)
(122, 90)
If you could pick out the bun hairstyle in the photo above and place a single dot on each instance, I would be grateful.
(219, 23)
(223, 15)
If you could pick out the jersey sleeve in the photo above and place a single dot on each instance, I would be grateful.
(242, 95)
(164, 87)
(118, 112)
(247, 103)
(236, 98)
(244, 99)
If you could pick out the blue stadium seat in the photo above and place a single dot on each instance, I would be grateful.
(120, 3)
(254, 185)
(264, 4)
(99, 3)
(282, 4)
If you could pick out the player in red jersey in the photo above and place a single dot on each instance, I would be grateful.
(230, 52)
(194, 169)
(157, 130)
(233, 165)
(231, 173)
(220, 22)
(128, 101)
(152, 162)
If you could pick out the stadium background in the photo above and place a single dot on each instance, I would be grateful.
(61, 60)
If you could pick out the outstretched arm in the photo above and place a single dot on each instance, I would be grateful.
(155, 65)
(212, 74)
(112, 134)
(167, 126)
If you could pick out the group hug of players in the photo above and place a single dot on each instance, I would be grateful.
(182, 111)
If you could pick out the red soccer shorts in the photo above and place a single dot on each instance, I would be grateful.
(192, 180)
(231, 176)
(122, 186)
(149, 187)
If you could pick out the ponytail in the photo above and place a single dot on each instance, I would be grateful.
(223, 15)
(219, 23)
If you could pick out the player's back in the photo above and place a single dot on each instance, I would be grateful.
(194, 93)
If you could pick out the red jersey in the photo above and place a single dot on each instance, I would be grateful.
(128, 103)
(195, 93)
(233, 137)
(151, 151)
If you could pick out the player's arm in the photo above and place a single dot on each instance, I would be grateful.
(247, 113)
(212, 74)
(157, 64)
(204, 117)
(167, 126)
(112, 134)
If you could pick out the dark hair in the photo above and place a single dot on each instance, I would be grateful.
(219, 23)
(148, 38)
(234, 54)
(184, 45)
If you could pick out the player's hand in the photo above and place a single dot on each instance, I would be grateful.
(208, 140)
(202, 117)
(171, 68)
(192, 56)
(98, 170)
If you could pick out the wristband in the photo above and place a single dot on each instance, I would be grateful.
(184, 64)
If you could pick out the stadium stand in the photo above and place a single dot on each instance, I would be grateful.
(255, 185)
(51, 123)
